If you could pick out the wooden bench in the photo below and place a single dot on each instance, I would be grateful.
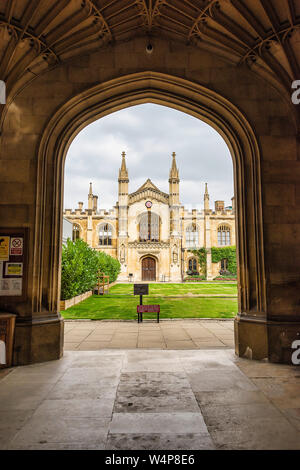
(147, 309)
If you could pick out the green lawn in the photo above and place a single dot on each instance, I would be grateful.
(180, 289)
(121, 303)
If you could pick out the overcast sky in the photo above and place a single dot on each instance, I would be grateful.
(148, 134)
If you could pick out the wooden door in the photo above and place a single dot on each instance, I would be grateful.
(148, 269)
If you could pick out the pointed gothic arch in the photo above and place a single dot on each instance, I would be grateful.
(77, 229)
(180, 94)
(149, 227)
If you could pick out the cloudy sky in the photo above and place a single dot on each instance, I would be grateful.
(148, 134)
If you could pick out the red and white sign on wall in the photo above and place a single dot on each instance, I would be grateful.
(16, 246)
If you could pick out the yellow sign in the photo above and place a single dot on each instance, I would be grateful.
(4, 248)
(14, 269)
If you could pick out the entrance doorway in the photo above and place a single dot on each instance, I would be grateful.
(148, 269)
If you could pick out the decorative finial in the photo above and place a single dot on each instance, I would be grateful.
(174, 169)
(123, 165)
(123, 173)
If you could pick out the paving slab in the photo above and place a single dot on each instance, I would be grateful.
(48, 427)
(168, 423)
(200, 441)
(168, 334)
(129, 399)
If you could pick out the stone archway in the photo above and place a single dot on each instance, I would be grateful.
(190, 98)
(266, 323)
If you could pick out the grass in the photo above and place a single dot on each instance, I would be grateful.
(180, 289)
(121, 304)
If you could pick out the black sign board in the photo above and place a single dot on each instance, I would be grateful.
(141, 289)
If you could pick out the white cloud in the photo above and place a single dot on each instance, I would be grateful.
(149, 134)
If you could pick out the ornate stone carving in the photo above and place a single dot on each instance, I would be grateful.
(148, 245)
(122, 254)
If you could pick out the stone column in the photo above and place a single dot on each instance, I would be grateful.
(123, 219)
(207, 245)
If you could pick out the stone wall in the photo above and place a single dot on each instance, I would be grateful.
(267, 187)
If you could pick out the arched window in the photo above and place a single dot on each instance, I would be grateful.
(224, 235)
(192, 264)
(105, 235)
(191, 236)
(149, 227)
(76, 232)
(224, 264)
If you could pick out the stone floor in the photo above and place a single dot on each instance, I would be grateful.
(151, 399)
(168, 334)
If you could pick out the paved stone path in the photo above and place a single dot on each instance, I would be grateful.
(148, 399)
(168, 334)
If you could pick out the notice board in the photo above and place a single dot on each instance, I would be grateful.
(141, 289)
(13, 263)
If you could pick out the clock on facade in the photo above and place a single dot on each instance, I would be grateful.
(148, 204)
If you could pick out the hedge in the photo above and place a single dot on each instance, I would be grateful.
(227, 252)
(194, 278)
(80, 265)
(108, 265)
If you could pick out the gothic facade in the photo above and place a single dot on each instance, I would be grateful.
(151, 233)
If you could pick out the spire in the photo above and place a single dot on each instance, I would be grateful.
(174, 170)
(123, 166)
(206, 199)
(123, 173)
(174, 182)
(90, 197)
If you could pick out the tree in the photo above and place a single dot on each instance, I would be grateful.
(80, 266)
(78, 270)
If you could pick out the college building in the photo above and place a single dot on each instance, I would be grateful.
(152, 234)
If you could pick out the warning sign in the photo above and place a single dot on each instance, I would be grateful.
(13, 263)
(14, 269)
(4, 248)
(16, 246)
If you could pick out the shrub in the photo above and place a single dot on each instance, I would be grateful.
(196, 278)
(78, 269)
(80, 266)
(192, 273)
(225, 276)
(108, 265)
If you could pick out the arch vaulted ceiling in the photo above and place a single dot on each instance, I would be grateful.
(39, 34)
